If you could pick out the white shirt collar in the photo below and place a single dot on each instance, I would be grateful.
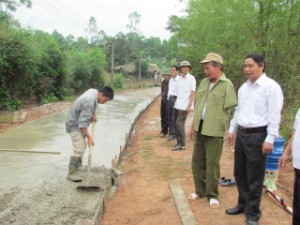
(260, 81)
(187, 75)
(176, 78)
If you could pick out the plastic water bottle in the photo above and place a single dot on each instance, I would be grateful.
(273, 157)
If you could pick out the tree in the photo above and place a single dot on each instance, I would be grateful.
(50, 76)
(11, 5)
(16, 68)
(39, 67)
(134, 21)
(97, 63)
(92, 30)
(235, 28)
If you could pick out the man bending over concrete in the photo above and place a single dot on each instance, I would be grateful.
(81, 114)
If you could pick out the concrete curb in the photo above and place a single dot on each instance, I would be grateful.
(102, 205)
(182, 205)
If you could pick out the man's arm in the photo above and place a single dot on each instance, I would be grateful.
(90, 140)
(230, 101)
(287, 152)
(232, 127)
(191, 131)
(192, 95)
(275, 102)
(86, 116)
(94, 118)
(288, 149)
(191, 100)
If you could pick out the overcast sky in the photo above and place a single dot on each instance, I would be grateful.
(72, 16)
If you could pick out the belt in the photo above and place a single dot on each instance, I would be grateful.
(173, 96)
(253, 129)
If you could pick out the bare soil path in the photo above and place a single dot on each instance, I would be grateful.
(144, 196)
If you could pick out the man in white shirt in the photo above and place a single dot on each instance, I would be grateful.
(293, 147)
(256, 123)
(184, 103)
(172, 96)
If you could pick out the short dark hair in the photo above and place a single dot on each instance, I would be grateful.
(259, 59)
(107, 92)
(216, 64)
(176, 67)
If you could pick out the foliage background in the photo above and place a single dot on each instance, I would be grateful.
(40, 67)
(235, 28)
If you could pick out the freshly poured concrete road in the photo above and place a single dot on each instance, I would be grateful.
(33, 186)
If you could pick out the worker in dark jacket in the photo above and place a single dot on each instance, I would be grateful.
(164, 105)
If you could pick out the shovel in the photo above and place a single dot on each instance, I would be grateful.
(88, 187)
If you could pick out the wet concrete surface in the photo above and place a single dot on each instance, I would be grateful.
(33, 186)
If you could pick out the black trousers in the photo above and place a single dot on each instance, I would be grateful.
(180, 116)
(249, 171)
(164, 116)
(171, 115)
(296, 201)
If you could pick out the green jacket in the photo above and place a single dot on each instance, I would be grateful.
(220, 104)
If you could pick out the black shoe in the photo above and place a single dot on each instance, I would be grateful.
(251, 222)
(234, 211)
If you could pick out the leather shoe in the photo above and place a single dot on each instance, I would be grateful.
(251, 222)
(234, 211)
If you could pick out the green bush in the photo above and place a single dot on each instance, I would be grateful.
(66, 92)
(48, 99)
(105, 79)
(7, 102)
(142, 85)
(118, 81)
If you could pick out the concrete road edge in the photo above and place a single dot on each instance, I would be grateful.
(182, 205)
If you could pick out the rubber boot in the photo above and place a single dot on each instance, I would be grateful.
(73, 169)
(79, 164)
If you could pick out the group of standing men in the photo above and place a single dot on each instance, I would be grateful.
(177, 101)
(249, 121)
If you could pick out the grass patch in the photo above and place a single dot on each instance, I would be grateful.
(70, 98)
(168, 169)
(149, 137)
(147, 151)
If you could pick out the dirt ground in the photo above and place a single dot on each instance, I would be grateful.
(149, 165)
